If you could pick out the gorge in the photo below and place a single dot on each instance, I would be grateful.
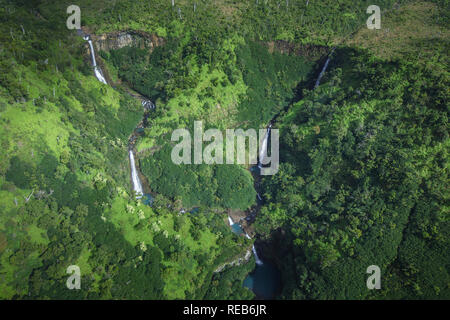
(265, 279)
(87, 178)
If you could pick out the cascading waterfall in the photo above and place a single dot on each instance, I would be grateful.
(147, 104)
(265, 279)
(97, 71)
(322, 73)
(91, 48)
(137, 185)
(257, 259)
(323, 69)
(263, 150)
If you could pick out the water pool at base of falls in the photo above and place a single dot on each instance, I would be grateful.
(147, 199)
(195, 210)
(264, 281)
(237, 229)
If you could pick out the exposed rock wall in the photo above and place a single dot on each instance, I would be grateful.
(235, 262)
(308, 51)
(117, 40)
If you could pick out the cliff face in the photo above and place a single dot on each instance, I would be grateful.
(117, 40)
(236, 262)
(309, 51)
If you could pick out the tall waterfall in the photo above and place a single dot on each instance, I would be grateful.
(147, 104)
(257, 259)
(325, 66)
(263, 149)
(91, 48)
(137, 186)
(97, 71)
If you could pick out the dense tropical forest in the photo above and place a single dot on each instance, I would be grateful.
(363, 176)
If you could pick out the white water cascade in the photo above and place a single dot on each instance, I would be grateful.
(263, 149)
(136, 181)
(97, 71)
(147, 104)
(137, 185)
(257, 259)
(323, 69)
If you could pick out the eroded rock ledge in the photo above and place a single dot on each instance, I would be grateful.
(236, 262)
(309, 51)
(120, 39)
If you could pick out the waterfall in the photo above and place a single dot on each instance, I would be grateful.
(257, 260)
(91, 47)
(323, 69)
(259, 197)
(137, 186)
(263, 149)
(147, 104)
(99, 75)
(97, 71)
(322, 73)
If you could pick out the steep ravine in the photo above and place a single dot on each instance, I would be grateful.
(117, 40)
(265, 279)
(124, 39)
